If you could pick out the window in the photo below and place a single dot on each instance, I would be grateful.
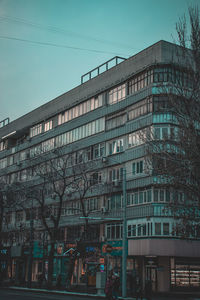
(117, 94)
(116, 121)
(47, 145)
(157, 228)
(80, 109)
(114, 231)
(116, 174)
(48, 125)
(3, 163)
(34, 151)
(2, 146)
(138, 167)
(36, 130)
(135, 198)
(165, 228)
(140, 108)
(131, 230)
(137, 138)
(115, 146)
(99, 150)
(92, 204)
(22, 155)
(115, 202)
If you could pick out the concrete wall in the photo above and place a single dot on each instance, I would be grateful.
(164, 247)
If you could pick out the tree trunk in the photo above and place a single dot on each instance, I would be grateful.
(50, 266)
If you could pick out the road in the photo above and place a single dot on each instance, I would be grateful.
(26, 295)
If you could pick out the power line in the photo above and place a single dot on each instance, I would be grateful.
(55, 29)
(58, 45)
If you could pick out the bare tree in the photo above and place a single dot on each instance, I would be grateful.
(60, 179)
(175, 157)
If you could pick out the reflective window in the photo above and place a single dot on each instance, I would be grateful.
(117, 94)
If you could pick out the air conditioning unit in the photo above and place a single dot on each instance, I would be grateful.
(103, 209)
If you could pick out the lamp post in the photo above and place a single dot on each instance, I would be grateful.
(30, 260)
(124, 237)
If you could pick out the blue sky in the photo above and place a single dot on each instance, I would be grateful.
(46, 45)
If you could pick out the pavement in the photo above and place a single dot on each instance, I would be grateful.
(174, 295)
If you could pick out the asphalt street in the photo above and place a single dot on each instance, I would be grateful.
(26, 295)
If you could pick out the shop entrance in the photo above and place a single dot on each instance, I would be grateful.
(151, 274)
(151, 264)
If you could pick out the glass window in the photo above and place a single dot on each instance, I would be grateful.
(117, 94)
(156, 195)
(48, 125)
(165, 228)
(149, 195)
(157, 228)
(36, 130)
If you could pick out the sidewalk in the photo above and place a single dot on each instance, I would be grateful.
(174, 295)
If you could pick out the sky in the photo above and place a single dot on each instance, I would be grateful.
(47, 45)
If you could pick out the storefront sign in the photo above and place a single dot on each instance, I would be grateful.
(114, 248)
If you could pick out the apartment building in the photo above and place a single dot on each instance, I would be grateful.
(108, 116)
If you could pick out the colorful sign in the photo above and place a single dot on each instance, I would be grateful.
(114, 248)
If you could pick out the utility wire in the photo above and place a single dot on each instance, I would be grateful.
(58, 45)
(60, 30)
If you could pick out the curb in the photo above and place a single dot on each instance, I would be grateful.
(44, 291)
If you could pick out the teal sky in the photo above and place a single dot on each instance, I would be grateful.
(46, 45)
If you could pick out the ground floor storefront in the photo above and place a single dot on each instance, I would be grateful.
(170, 265)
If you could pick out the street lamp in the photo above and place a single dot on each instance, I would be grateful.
(30, 260)
(124, 237)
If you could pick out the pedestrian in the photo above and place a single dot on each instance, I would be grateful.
(109, 288)
(148, 289)
(138, 289)
(116, 285)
